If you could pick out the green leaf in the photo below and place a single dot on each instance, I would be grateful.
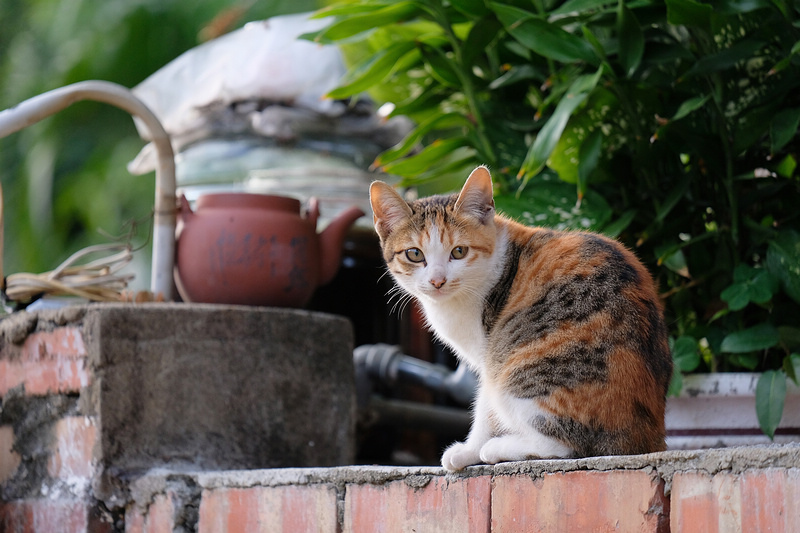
(361, 22)
(580, 6)
(440, 67)
(758, 337)
(770, 397)
(748, 361)
(727, 58)
(790, 337)
(786, 166)
(544, 38)
(735, 7)
(429, 156)
(472, 8)
(750, 285)
(548, 136)
(673, 198)
(438, 122)
(688, 13)
(548, 201)
(601, 107)
(692, 104)
(482, 34)
(791, 365)
(448, 174)
(676, 383)
(346, 9)
(588, 156)
(783, 261)
(676, 261)
(373, 71)
(426, 102)
(514, 75)
(631, 39)
(598, 47)
(685, 354)
(614, 229)
(783, 128)
(737, 296)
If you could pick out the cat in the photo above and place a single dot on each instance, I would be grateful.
(564, 329)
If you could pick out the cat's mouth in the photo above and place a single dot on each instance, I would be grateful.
(439, 293)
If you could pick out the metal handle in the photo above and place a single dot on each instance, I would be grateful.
(39, 107)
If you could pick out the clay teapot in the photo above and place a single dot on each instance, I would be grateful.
(255, 249)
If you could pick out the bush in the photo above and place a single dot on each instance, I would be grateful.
(671, 125)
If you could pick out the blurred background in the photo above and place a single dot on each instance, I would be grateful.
(65, 182)
(685, 148)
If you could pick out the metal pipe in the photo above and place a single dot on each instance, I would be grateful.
(388, 364)
(447, 421)
(39, 107)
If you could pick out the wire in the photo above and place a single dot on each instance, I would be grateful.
(97, 280)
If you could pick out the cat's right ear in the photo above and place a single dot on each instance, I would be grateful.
(388, 208)
(476, 195)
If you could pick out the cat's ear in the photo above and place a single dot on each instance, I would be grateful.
(476, 197)
(388, 208)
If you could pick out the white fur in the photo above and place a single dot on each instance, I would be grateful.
(454, 312)
(516, 438)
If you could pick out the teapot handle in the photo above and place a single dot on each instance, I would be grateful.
(312, 213)
(185, 210)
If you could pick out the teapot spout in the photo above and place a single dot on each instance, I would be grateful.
(331, 240)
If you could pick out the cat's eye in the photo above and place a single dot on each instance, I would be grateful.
(415, 255)
(459, 252)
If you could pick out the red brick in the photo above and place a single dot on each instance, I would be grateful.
(49, 362)
(157, 518)
(441, 506)
(38, 516)
(756, 500)
(73, 453)
(285, 509)
(9, 459)
(619, 500)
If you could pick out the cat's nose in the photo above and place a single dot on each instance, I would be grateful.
(438, 282)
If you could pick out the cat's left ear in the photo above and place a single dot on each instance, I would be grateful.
(476, 197)
(388, 208)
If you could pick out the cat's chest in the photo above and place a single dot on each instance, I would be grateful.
(459, 325)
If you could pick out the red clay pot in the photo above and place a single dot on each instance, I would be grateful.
(254, 249)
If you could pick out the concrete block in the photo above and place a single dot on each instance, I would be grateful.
(221, 387)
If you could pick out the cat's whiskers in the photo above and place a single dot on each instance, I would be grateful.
(386, 272)
(401, 299)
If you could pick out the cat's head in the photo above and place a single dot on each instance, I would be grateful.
(437, 247)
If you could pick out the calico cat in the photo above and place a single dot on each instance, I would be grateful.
(564, 329)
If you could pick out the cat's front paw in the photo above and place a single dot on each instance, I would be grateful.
(520, 448)
(458, 456)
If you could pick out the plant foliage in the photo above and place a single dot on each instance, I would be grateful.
(671, 124)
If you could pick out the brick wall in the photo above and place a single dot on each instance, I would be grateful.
(737, 489)
(54, 476)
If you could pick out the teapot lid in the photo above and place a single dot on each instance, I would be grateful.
(251, 200)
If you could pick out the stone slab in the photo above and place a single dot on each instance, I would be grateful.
(221, 387)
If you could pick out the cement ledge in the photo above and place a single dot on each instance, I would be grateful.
(664, 465)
